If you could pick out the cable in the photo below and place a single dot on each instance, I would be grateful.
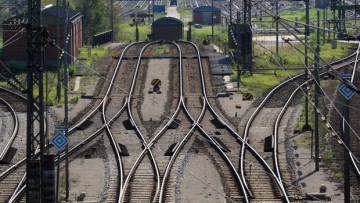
(328, 99)
(92, 70)
(328, 65)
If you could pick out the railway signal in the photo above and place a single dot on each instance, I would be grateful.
(59, 141)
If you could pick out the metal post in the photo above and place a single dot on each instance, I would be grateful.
(57, 178)
(244, 11)
(65, 27)
(334, 20)
(136, 30)
(343, 19)
(324, 20)
(340, 34)
(149, 11)
(212, 19)
(346, 139)
(277, 27)
(112, 20)
(58, 85)
(312, 144)
(317, 93)
(35, 67)
(230, 11)
(355, 13)
(306, 127)
(238, 49)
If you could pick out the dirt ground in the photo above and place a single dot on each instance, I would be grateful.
(196, 183)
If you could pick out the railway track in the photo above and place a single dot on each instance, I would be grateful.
(262, 119)
(188, 129)
(89, 125)
(13, 142)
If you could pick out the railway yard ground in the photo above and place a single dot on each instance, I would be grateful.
(206, 180)
(231, 114)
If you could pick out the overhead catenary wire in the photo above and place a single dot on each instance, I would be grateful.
(115, 85)
(318, 110)
(327, 65)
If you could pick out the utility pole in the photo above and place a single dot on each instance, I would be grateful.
(355, 13)
(149, 11)
(324, 22)
(336, 24)
(317, 93)
(58, 85)
(112, 20)
(343, 18)
(238, 49)
(65, 58)
(346, 139)
(58, 90)
(35, 116)
(230, 6)
(212, 20)
(277, 27)
(306, 127)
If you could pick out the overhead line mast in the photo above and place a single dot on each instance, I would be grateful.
(287, 26)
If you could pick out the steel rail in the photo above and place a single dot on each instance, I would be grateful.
(137, 130)
(72, 150)
(352, 156)
(284, 83)
(207, 103)
(111, 137)
(73, 128)
(187, 137)
(15, 129)
(295, 92)
(263, 103)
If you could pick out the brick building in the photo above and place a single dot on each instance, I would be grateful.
(12, 32)
(202, 15)
(167, 28)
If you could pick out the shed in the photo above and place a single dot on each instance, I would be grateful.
(321, 3)
(159, 8)
(16, 51)
(202, 15)
(167, 28)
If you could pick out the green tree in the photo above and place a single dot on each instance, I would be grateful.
(95, 19)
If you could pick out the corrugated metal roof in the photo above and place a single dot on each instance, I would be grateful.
(168, 21)
(206, 9)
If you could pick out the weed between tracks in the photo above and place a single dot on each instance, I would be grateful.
(327, 151)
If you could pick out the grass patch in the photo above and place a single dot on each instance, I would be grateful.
(126, 32)
(50, 88)
(185, 14)
(220, 34)
(291, 15)
(91, 54)
(289, 58)
(50, 91)
(303, 140)
(258, 83)
(159, 50)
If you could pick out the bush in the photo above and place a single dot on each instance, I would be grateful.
(72, 70)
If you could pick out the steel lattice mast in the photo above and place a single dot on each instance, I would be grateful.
(35, 136)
